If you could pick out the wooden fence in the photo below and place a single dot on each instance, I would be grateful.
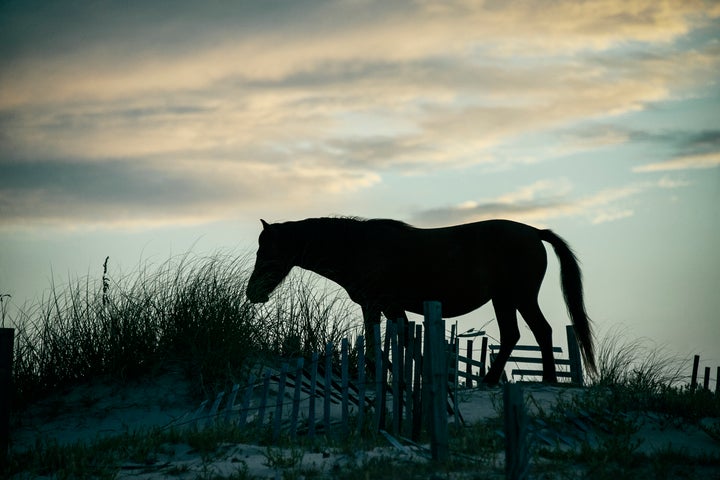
(706, 377)
(404, 395)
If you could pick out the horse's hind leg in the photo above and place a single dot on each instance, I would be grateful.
(542, 331)
(509, 336)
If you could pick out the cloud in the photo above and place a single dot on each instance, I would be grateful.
(690, 162)
(604, 217)
(118, 194)
(672, 183)
(534, 202)
(150, 112)
(118, 53)
(537, 203)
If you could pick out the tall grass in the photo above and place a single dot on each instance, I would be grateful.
(638, 375)
(635, 362)
(189, 311)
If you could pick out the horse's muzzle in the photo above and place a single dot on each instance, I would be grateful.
(259, 299)
(255, 297)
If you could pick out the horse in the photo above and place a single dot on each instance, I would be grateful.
(389, 267)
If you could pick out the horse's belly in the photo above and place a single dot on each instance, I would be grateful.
(455, 299)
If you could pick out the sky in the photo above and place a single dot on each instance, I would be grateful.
(142, 130)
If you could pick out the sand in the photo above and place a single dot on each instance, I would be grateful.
(89, 412)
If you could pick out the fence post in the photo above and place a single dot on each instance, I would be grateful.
(436, 357)
(468, 366)
(516, 447)
(696, 364)
(453, 356)
(379, 380)
(7, 336)
(706, 379)
(417, 412)
(576, 373)
(483, 356)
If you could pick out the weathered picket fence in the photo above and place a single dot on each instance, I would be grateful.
(410, 388)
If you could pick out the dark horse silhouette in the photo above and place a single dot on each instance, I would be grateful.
(390, 267)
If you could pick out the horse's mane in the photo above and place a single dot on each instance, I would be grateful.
(354, 221)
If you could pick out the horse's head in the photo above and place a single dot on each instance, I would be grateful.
(274, 261)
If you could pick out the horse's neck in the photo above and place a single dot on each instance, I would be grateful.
(324, 249)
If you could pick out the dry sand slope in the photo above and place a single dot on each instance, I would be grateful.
(90, 412)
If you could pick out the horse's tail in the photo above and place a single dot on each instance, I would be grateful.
(571, 281)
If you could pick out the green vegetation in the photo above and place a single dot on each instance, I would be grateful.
(192, 312)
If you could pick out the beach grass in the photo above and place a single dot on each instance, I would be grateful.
(189, 311)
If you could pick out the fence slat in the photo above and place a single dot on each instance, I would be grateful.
(345, 385)
(245, 408)
(483, 356)
(385, 369)
(408, 375)
(296, 396)
(538, 373)
(400, 328)
(277, 420)
(538, 360)
(212, 416)
(527, 348)
(361, 382)
(417, 412)
(264, 398)
(468, 364)
(327, 386)
(313, 393)
(455, 352)
(394, 350)
(231, 402)
(197, 417)
(379, 380)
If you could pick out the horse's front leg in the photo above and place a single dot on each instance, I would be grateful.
(398, 315)
(371, 317)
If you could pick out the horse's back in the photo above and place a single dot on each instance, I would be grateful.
(489, 241)
(463, 266)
